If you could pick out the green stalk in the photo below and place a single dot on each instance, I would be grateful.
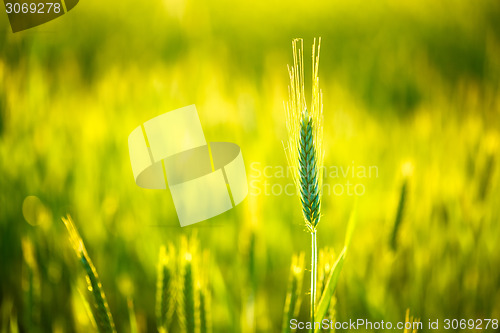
(132, 317)
(399, 214)
(314, 272)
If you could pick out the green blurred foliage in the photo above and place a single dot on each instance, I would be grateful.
(413, 82)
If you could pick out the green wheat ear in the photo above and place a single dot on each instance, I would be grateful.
(205, 320)
(304, 151)
(188, 296)
(308, 173)
(102, 314)
(165, 289)
(188, 300)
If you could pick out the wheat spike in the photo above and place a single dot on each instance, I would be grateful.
(188, 295)
(165, 297)
(102, 313)
(187, 300)
(308, 174)
(305, 130)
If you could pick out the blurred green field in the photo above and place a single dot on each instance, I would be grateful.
(406, 85)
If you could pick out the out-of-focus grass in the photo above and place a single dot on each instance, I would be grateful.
(402, 81)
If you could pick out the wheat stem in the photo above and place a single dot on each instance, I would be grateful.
(314, 271)
(133, 319)
(399, 214)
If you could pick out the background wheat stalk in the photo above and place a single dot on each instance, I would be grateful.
(294, 293)
(103, 316)
(165, 289)
(304, 150)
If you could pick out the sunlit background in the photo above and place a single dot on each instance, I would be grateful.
(410, 88)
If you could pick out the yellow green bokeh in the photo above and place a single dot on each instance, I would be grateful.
(409, 87)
